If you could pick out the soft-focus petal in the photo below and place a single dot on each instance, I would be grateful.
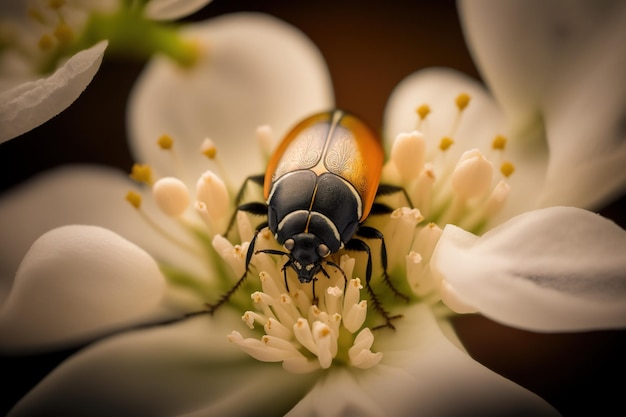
(186, 368)
(422, 373)
(32, 103)
(257, 70)
(480, 123)
(555, 269)
(74, 283)
(558, 67)
(84, 195)
(173, 9)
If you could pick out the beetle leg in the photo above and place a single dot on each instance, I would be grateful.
(388, 189)
(257, 179)
(211, 308)
(372, 233)
(361, 246)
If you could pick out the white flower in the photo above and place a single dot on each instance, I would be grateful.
(189, 367)
(51, 50)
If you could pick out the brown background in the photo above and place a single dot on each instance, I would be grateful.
(369, 47)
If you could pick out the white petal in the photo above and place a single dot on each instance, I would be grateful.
(559, 66)
(555, 269)
(32, 103)
(83, 195)
(173, 9)
(185, 368)
(421, 373)
(76, 282)
(257, 71)
(480, 123)
(523, 48)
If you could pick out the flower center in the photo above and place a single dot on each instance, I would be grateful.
(310, 326)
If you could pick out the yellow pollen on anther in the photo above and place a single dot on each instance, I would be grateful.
(141, 173)
(423, 111)
(208, 148)
(63, 32)
(134, 199)
(499, 143)
(45, 42)
(165, 142)
(507, 168)
(445, 143)
(462, 100)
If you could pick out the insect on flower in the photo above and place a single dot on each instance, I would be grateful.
(320, 186)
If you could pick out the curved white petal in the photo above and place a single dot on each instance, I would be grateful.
(188, 368)
(559, 66)
(32, 103)
(85, 195)
(173, 9)
(76, 282)
(255, 70)
(480, 123)
(554, 269)
(422, 373)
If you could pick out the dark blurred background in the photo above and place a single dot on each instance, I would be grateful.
(369, 48)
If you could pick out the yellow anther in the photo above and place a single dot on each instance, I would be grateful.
(462, 100)
(134, 199)
(499, 143)
(63, 32)
(141, 173)
(56, 4)
(445, 143)
(423, 111)
(45, 42)
(208, 148)
(507, 168)
(165, 142)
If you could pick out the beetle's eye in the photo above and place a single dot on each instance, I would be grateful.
(289, 244)
(323, 250)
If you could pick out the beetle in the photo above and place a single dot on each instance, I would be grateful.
(319, 187)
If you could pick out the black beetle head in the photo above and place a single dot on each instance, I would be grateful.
(306, 252)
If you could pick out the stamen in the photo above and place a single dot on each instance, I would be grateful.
(507, 168)
(211, 190)
(171, 196)
(134, 199)
(462, 101)
(472, 175)
(165, 142)
(208, 148)
(142, 173)
(445, 143)
(360, 354)
(499, 143)
(408, 153)
(423, 111)
(64, 33)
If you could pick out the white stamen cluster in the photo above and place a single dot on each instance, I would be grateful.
(305, 336)
(467, 193)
